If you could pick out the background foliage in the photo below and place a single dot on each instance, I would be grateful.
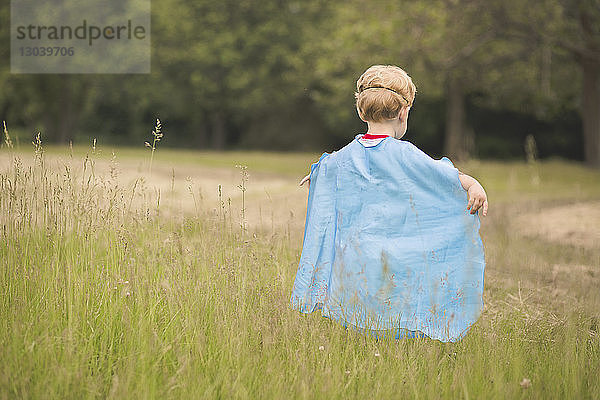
(279, 74)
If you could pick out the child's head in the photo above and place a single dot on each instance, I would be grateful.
(382, 91)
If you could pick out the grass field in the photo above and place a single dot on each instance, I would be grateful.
(118, 281)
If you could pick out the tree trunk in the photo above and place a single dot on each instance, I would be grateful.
(200, 139)
(456, 142)
(64, 99)
(218, 131)
(591, 111)
(66, 115)
(3, 119)
(199, 123)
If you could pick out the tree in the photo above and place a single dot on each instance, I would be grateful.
(583, 42)
(451, 48)
(233, 59)
(571, 26)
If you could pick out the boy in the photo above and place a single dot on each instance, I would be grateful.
(388, 245)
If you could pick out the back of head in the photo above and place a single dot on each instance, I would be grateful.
(382, 91)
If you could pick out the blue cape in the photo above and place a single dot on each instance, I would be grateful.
(388, 243)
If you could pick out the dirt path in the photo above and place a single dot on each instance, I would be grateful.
(576, 224)
(270, 201)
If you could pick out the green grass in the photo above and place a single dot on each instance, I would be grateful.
(280, 163)
(104, 299)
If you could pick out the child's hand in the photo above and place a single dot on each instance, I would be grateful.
(305, 179)
(477, 199)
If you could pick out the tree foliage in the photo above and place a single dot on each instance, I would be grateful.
(281, 74)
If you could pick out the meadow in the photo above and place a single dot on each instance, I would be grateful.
(122, 277)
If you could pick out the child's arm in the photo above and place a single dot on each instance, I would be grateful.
(476, 193)
(305, 179)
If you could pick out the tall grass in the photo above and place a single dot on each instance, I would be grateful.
(102, 296)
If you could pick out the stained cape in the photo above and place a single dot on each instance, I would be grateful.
(388, 243)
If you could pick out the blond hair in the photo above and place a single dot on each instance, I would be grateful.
(382, 91)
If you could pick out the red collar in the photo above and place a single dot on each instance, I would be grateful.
(372, 136)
